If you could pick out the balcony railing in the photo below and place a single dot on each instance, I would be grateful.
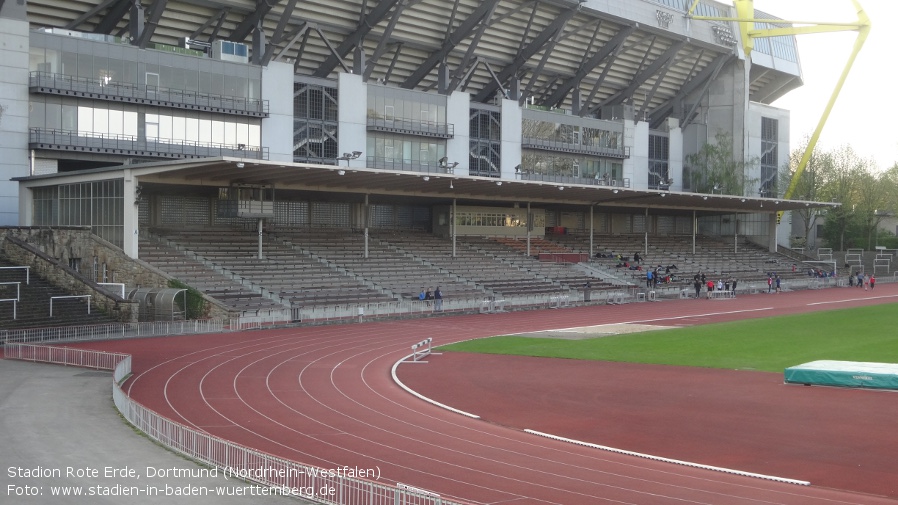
(58, 84)
(575, 179)
(407, 165)
(568, 147)
(412, 127)
(66, 140)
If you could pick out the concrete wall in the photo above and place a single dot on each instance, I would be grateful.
(510, 144)
(14, 161)
(458, 148)
(56, 271)
(277, 128)
(353, 116)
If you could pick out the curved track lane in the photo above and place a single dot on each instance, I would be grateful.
(324, 396)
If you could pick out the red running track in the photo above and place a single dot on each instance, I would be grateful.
(324, 396)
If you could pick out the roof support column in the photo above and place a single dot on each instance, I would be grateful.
(261, 222)
(452, 224)
(529, 228)
(135, 23)
(694, 227)
(365, 215)
(131, 231)
(646, 229)
(591, 230)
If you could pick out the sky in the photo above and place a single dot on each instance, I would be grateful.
(866, 111)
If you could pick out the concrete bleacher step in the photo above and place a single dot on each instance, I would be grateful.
(33, 308)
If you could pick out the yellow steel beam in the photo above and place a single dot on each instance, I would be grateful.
(862, 33)
(745, 17)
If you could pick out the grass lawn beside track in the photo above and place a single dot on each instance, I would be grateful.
(770, 344)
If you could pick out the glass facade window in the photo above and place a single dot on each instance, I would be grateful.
(497, 219)
(315, 123)
(485, 143)
(398, 152)
(769, 156)
(565, 134)
(118, 64)
(659, 165)
(93, 118)
(541, 165)
(402, 105)
(98, 204)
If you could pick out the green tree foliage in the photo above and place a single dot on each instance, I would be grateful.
(715, 165)
(866, 195)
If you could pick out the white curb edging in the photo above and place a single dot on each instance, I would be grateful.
(426, 399)
(668, 460)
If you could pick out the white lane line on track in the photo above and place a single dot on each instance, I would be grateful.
(426, 399)
(690, 316)
(668, 460)
(853, 300)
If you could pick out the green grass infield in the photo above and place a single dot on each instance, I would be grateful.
(769, 344)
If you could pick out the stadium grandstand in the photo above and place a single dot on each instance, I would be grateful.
(284, 156)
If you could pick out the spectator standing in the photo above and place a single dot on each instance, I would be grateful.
(872, 281)
(734, 286)
(649, 274)
(438, 300)
(777, 283)
(769, 283)
(696, 283)
(866, 282)
(636, 258)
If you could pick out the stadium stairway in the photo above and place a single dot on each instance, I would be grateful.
(33, 308)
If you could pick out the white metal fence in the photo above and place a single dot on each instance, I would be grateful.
(411, 308)
(111, 331)
(281, 476)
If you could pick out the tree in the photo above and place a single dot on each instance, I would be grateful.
(809, 185)
(846, 179)
(715, 168)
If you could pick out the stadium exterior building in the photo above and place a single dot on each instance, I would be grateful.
(513, 116)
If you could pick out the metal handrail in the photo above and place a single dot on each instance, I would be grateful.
(159, 146)
(147, 92)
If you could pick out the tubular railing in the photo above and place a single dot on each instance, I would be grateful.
(193, 99)
(282, 476)
(113, 331)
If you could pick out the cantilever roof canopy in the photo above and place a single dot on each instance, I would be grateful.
(386, 185)
(606, 53)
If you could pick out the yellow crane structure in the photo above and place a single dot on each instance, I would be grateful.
(745, 17)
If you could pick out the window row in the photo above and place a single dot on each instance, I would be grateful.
(410, 150)
(108, 70)
(404, 105)
(571, 134)
(98, 204)
(541, 163)
(463, 218)
(91, 121)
